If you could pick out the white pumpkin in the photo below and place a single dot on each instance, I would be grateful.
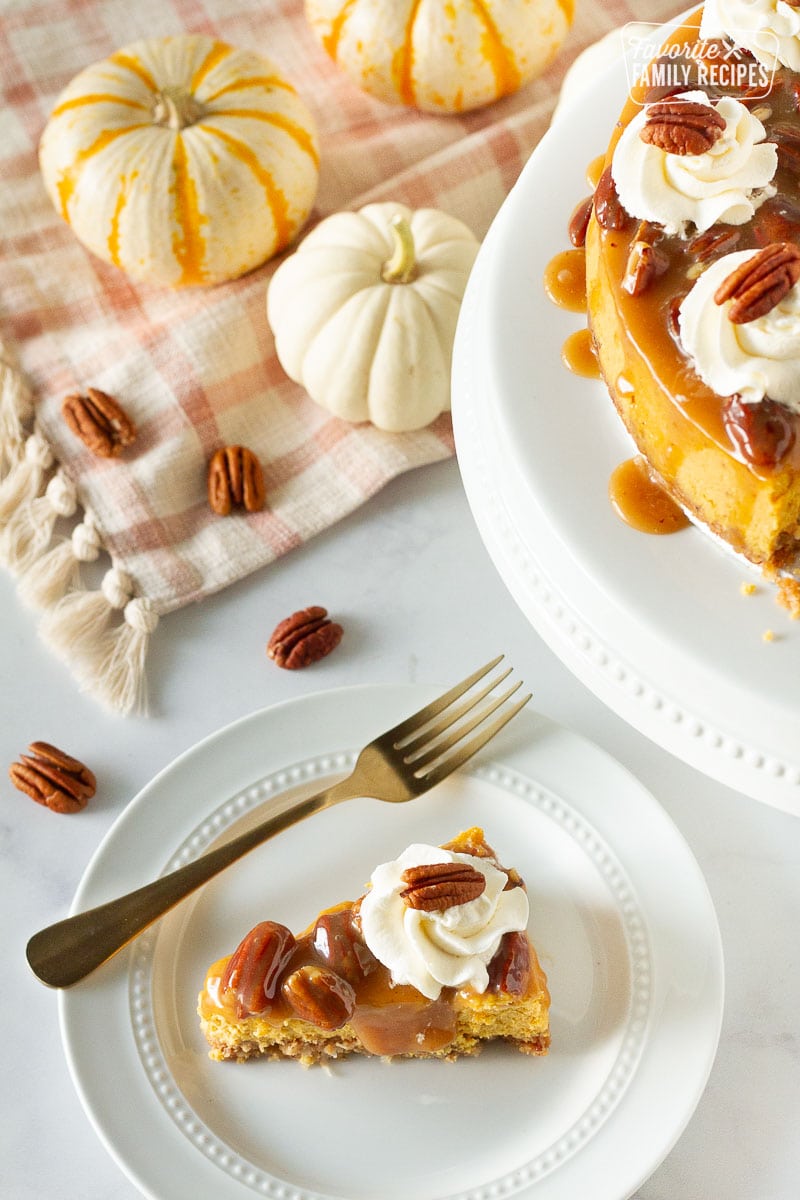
(364, 312)
(441, 55)
(182, 160)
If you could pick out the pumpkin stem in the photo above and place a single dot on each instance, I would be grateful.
(176, 109)
(402, 266)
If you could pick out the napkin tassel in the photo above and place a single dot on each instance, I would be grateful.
(108, 660)
(48, 578)
(16, 410)
(78, 623)
(25, 480)
(29, 531)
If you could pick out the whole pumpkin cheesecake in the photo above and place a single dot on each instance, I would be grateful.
(432, 961)
(693, 270)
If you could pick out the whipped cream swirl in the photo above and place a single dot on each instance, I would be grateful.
(755, 360)
(727, 183)
(769, 29)
(443, 948)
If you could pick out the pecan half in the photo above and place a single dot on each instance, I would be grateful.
(713, 241)
(608, 207)
(337, 941)
(645, 264)
(579, 222)
(235, 477)
(776, 222)
(303, 638)
(254, 968)
(320, 997)
(99, 421)
(682, 126)
(510, 969)
(756, 286)
(763, 432)
(53, 778)
(433, 887)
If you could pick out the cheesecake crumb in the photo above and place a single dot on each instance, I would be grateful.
(768, 636)
(747, 589)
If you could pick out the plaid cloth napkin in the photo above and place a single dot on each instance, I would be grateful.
(197, 369)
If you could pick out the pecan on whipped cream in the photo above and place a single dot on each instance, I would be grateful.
(449, 946)
(754, 359)
(686, 192)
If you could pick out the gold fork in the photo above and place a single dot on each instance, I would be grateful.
(400, 764)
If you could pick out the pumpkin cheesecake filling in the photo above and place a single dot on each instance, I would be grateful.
(433, 961)
(697, 183)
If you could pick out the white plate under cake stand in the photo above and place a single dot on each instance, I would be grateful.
(620, 914)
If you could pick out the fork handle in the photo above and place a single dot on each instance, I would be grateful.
(64, 953)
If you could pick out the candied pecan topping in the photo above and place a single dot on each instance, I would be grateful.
(436, 886)
(608, 207)
(579, 221)
(759, 284)
(763, 432)
(682, 127)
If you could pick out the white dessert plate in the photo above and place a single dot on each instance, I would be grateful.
(657, 627)
(620, 914)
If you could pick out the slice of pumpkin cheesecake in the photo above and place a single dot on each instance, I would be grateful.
(433, 961)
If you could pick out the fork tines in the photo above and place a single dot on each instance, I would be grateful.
(435, 741)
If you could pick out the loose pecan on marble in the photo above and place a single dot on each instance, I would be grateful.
(756, 286)
(303, 638)
(53, 778)
(433, 887)
(99, 421)
(235, 478)
(682, 126)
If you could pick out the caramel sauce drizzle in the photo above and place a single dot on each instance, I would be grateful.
(578, 355)
(595, 170)
(640, 500)
(565, 280)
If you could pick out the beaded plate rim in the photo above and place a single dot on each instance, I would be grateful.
(255, 1178)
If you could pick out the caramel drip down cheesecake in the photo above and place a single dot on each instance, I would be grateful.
(693, 275)
(432, 962)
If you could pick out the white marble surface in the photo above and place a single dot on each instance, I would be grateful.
(420, 601)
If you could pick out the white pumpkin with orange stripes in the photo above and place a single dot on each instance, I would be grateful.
(441, 55)
(182, 160)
